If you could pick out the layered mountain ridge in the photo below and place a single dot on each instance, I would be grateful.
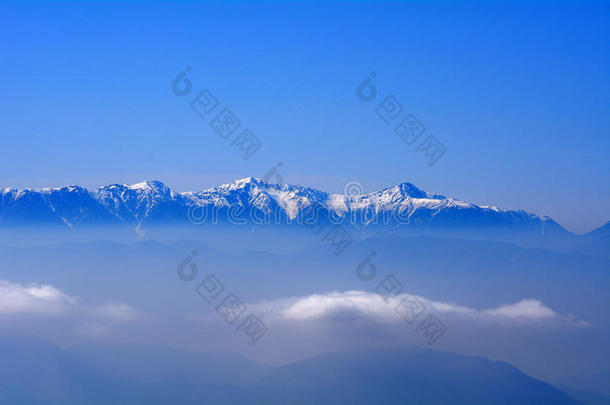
(381, 376)
(149, 203)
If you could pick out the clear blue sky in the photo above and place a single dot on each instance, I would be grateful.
(518, 92)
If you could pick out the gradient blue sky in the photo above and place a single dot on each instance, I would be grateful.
(518, 92)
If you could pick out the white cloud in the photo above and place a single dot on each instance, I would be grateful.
(317, 306)
(35, 299)
(92, 330)
(524, 309)
(46, 300)
(116, 311)
(360, 304)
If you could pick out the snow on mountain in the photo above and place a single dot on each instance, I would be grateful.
(152, 202)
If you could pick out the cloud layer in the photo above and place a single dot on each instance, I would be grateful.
(47, 301)
(359, 304)
(34, 299)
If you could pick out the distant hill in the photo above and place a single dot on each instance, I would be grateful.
(44, 374)
(596, 242)
(406, 375)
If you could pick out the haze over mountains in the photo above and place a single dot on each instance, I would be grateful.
(498, 300)
(508, 285)
(45, 374)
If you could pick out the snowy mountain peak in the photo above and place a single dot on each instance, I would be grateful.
(151, 186)
(410, 190)
(245, 183)
(64, 189)
(74, 189)
(250, 180)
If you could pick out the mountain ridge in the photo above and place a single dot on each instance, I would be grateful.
(403, 208)
(141, 197)
(392, 375)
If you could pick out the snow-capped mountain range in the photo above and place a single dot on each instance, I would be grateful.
(149, 203)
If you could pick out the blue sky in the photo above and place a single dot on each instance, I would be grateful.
(518, 92)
